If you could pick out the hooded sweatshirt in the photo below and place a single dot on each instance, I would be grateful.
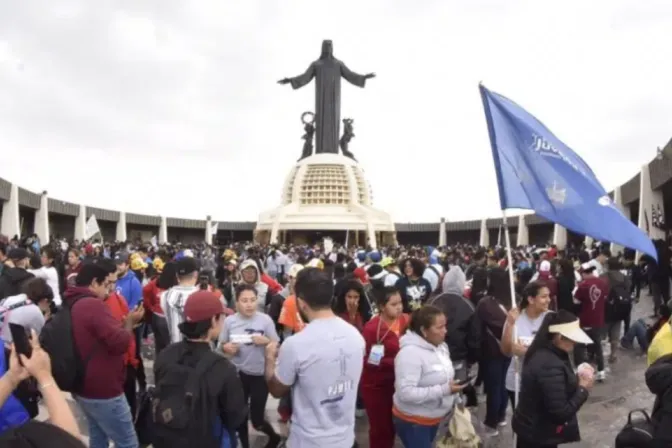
(11, 281)
(423, 373)
(172, 304)
(463, 336)
(261, 287)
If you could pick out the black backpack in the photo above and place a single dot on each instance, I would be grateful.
(637, 433)
(58, 339)
(619, 303)
(183, 412)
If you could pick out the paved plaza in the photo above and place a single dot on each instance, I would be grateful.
(600, 418)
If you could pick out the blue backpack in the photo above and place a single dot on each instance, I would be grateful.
(12, 413)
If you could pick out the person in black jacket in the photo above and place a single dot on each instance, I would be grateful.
(219, 390)
(551, 394)
(14, 273)
(659, 380)
(464, 334)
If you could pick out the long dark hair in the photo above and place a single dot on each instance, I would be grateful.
(543, 337)
(499, 286)
(364, 309)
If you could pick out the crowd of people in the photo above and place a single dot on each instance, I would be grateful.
(404, 335)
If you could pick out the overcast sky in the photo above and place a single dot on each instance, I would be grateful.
(171, 107)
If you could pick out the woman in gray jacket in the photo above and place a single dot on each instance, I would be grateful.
(424, 388)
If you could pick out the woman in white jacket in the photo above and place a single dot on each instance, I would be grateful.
(424, 388)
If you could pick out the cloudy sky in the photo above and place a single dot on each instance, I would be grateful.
(171, 107)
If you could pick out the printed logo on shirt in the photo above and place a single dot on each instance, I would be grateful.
(415, 294)
(337, 390)
(595, 293)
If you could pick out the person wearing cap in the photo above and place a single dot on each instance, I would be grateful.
(14, 274)
(128, 285)
(203, 321)
(592, 294)
(174, 299)
(551, 394)
(392, 271)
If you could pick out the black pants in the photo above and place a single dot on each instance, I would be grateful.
(255, 391)
(580, 355)
(161, 333)
(512, 399)
(140, 372)
(129, 389)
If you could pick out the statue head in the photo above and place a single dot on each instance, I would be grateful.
(327, 49)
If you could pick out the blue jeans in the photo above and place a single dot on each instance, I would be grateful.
(636, 331)
(413, 435)
(109, 419)
(494, 382)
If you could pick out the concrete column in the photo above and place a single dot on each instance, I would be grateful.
(163, 231)
(371, 235)
(523, 232)
(625, 209)
(208, 230)
(11, 221)
(484, 240)
(41, 227)
(559, 236)
(650, 206)
(442, 232)
(80, 224)
(121, 234)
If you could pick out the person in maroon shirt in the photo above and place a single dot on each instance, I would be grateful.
(591, 294)
(102, 342)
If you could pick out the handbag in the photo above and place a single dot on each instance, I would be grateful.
(637, 433)
(461, 432)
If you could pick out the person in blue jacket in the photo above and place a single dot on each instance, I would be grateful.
(128, 284)
(129, 287)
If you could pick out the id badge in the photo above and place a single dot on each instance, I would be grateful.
(376, 355)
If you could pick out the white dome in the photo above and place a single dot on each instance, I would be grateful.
(325, 192)
(327, 180)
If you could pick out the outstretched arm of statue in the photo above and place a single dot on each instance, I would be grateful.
(299, 81)
(354, 78)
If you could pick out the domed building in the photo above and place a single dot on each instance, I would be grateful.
(326, 195)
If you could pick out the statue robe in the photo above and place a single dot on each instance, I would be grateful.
(327, 73)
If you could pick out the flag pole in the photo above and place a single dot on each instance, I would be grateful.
(514, 333)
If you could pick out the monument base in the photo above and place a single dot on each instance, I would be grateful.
(326, 192)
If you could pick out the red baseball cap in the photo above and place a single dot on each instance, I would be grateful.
(202, 305)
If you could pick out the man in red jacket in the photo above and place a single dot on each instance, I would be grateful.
(102, 342)
(591, 293)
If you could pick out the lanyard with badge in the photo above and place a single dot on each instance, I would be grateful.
(378, 350)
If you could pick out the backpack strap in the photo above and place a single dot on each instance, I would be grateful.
(203, 365)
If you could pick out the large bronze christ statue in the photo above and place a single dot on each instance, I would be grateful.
(327, 71)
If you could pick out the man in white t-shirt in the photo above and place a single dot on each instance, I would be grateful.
(321, 366)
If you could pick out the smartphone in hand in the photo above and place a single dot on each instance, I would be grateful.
(21, 341)
(467, 380)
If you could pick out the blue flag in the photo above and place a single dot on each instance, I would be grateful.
(536, 171)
